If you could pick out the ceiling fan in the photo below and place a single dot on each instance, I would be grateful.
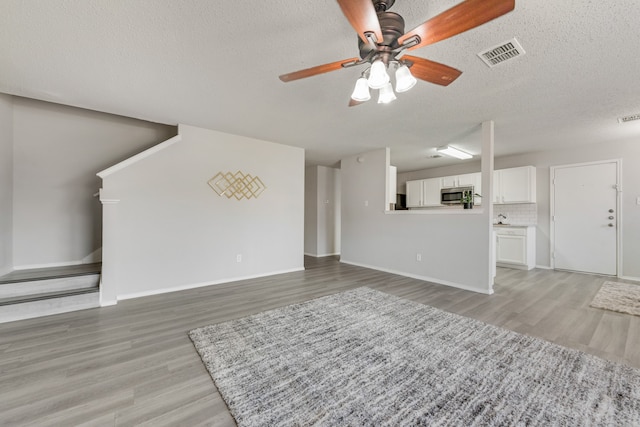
(382, 39)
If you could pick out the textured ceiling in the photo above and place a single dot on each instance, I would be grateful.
(215, 64)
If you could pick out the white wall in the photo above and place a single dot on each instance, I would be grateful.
(322, 211)
(455, 248)
(311, 211)
(328, 211)
(57, 151)
(628, 150)
(6, 183)
(171, 231)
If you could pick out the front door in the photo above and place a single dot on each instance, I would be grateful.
(585, 217)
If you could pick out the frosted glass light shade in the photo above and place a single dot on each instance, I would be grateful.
(361, 91)
(404, 79)
(454, 152)
(378, 76)
(386, 94)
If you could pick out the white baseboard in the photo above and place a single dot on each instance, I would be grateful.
(419, 277)
(633, 279)
(6, 270)
(544, 267)
(321, 255)
(200, 285)
(49, 265)
(93, 257)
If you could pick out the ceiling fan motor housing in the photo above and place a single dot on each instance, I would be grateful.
(392, 26)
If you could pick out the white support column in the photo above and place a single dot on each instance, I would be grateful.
(487, 192)
(108, 277)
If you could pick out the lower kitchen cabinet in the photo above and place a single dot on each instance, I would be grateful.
(516, 247)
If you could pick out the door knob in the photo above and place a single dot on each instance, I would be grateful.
(610, 225)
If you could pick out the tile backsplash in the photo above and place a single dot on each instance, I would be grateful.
(518, 214)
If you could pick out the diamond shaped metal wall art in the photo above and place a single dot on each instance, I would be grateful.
(238, 185)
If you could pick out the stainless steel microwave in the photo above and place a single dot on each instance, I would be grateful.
(453, 196)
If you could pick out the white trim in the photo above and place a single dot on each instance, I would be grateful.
(202, 284)
(50, 265)
(134, 159)
(419, 277)
(552, 170)
(321, 255)
(633, 279)
(93, 257)
(544, 267)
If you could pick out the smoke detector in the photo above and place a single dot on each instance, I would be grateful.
(503, 52)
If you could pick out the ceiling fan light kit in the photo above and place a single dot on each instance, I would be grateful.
(361, 91)
(382, 38)
(378, 77)
(386, 94)
(404, 79)
(454, 152)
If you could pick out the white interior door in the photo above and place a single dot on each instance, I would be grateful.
(584, 218)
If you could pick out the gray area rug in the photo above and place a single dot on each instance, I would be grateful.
(365, 358)
(620, 297)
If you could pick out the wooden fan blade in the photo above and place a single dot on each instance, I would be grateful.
(460, 18)
(353, 102)
(430, 71)
(363, 17)
(320, 69)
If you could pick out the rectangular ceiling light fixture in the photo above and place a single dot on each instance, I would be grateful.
(454, 152)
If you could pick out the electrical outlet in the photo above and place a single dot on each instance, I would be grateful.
(239, 258)
(366, 203)
(419, 257)
(638, 200)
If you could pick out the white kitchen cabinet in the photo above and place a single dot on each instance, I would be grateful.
(414, 194)
(515, 247)
(514, 185)
(423, 193)
(464, 180)
(431, 190)
(449, 181)
(469, 179)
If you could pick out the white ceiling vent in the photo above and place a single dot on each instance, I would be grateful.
(630, 118)
(504, 51)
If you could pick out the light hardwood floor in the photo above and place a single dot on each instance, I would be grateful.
(133, 363)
